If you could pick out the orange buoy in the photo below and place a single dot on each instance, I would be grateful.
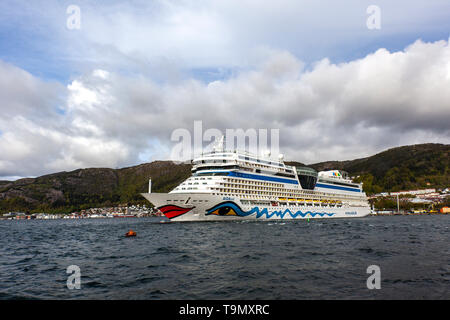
(130, 233)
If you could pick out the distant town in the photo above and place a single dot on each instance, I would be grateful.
(121, 211)
(424, 201)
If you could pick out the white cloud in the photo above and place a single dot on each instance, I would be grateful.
(331, 111)
(160, 38)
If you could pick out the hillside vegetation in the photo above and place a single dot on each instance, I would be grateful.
(403, 168)
(409, 167)
(86, 188)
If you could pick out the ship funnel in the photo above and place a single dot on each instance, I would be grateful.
(150, 185)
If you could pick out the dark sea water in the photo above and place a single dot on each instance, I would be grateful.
(319, 259)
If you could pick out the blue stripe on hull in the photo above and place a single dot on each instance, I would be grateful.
(281, 180)
(258, 177)
(255, 177)
(320, 185)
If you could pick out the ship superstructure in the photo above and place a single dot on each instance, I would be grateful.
(229, 185)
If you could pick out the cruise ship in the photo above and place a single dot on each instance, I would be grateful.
(236, 185)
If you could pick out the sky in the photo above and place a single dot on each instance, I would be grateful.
(112, 92)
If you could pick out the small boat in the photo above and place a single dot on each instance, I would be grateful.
(130, 233)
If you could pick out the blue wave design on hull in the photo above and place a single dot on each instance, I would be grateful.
(281, 214)
(231, 207)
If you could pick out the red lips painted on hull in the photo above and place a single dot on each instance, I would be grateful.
(171, 211)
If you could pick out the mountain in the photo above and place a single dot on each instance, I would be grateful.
(86, 188)
(402, 168)
(417, 166)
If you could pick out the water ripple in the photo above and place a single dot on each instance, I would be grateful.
(324, 259)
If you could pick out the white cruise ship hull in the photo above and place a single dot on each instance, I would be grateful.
(207, 207)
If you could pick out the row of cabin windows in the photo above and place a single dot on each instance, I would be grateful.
(272, 193)
(182, 200)
(246, 158)
(252, 182)
(243, 163)
(274, 186)
(280, 203)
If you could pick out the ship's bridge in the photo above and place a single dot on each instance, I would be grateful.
(216, 161)
(240, 160)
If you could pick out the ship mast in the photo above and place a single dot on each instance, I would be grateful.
(220, 145)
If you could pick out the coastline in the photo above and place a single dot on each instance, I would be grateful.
(46, 216)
